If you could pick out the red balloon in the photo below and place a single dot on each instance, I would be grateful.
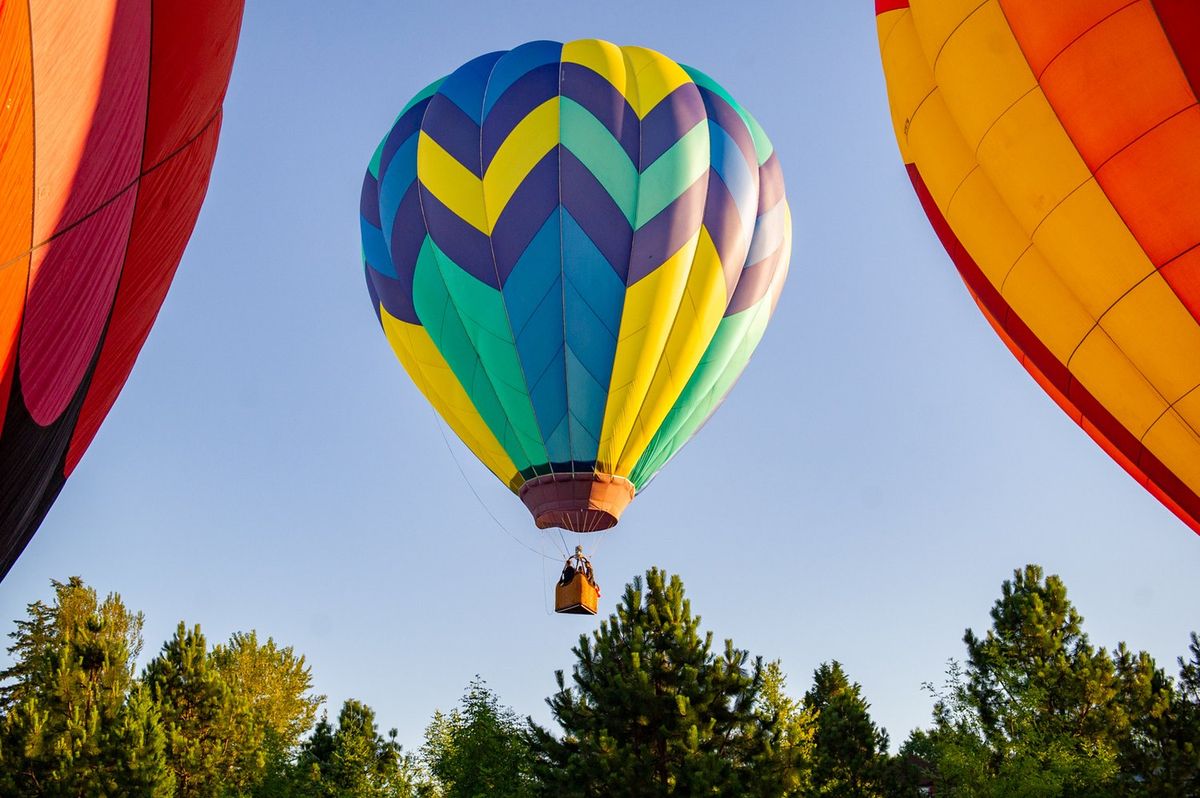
(107, 136)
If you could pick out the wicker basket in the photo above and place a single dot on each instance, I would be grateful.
(577, 597)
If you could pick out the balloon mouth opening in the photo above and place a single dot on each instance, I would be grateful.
(579, 502)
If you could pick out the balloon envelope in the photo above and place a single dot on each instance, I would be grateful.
(1054, 148)
(106, 141)
(573, 249)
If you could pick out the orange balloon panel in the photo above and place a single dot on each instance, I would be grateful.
(1053, 147)
(110, 120)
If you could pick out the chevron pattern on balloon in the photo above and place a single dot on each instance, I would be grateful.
(573, 249)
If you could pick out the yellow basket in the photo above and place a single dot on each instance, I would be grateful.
(577, 597)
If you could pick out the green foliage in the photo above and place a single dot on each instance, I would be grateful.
(274, 686)
(851, 751)
(479, 749)
(210, 732)
(77, 618)
(74, 722)
(1033, 758)
(653, 711)
(1182, 743)
(793, 727)
(273, 682)
(1037, 710)
(1036, 669)
(354, 761)
(909, 774)
(1161, 756)
(234, 715)
(141, 768)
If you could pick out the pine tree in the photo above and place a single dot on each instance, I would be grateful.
(1037, 664)
(1161, 757)
(32, 641)
(209, 733)
(74, 722)
(359, 754)
(479, 748)
(794, 728)
(1183, 757)
(313, 774)
(652, 711)
(851, 751)
(142, 768)
(1036, 710)
(354, 760)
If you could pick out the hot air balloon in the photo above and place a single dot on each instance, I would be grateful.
(573, 250)
(107, 135)
(1054, 148)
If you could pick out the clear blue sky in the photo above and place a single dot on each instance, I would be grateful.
(882, 466)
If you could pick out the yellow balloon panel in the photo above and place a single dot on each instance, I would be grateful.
(1053, 259)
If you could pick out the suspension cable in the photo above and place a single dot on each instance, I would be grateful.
(438, 422)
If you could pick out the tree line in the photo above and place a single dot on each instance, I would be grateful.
(653, 706)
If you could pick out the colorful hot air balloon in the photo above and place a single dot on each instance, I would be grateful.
(574, 249)
(1055, 147)
(107, 134)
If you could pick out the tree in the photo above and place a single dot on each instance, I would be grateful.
(910, 774)
(355, 761)
(73, 720)
(851, 751)
(653, 711)
(141, 768)
(1036, 710)
(76, 612)
(313, 774)
(795, 729)
(273, 681)
(275, 686)
(1161, 756)
(1183, 759)
(210, 734)
(479, 748)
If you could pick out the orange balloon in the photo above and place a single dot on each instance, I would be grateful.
(1054, 148)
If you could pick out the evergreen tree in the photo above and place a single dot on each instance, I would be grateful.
(1183, 757)
(74, 722)
(360, 755)
(1161, 756)
(141, 768)
(1146, 693)
(1036, 710)
(652, 711)
(1036, 664)
(76, 606)
(313, 773)
(851, 751)
(355, 761)
(910, 774)
(479, 748)
(210, 734)
(794, 727)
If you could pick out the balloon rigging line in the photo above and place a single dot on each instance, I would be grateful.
(545, 593)
(600, 536)
(438, 422)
